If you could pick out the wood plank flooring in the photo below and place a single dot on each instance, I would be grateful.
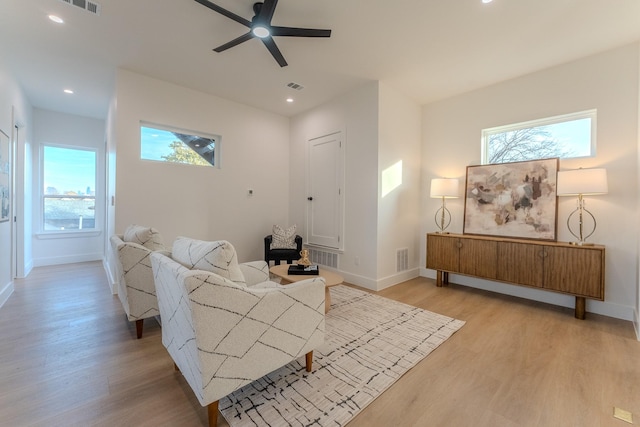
(68, 357)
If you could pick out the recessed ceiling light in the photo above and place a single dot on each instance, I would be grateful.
(486, 1)
(69, 91)
(56, 19)
(289, 100)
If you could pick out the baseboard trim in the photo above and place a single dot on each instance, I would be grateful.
(355, 279)
(636, 323)
(113, 284)
(394, 279)
(597, 307)
(6, 292)
(379, 284)
(27, 268)
(67, 259)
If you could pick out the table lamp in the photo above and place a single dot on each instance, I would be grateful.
(582, 182)
(445, 188)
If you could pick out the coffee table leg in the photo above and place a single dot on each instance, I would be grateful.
(327, 299)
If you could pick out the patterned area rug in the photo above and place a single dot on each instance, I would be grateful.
(370, 343)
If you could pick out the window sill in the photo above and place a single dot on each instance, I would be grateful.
(44, 235)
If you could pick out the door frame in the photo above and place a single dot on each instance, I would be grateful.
(341, 188)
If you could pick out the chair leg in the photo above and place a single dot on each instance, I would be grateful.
(309, 360)
(212, 411)
(276, 261)
(139, 324)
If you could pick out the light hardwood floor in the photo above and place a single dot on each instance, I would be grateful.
(68, 357)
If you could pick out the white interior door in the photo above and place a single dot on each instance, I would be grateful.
(326, 183)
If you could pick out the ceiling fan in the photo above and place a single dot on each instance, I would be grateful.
(260, 27)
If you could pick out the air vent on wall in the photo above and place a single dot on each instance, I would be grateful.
(295, 86)
(402, 260)
(87, 5)
(318, 256)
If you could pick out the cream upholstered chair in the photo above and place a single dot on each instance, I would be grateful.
(225, 324)
(136, 288)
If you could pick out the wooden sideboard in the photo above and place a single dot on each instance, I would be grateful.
(551, 266)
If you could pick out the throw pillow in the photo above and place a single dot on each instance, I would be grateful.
(148, 237)
(283, 238)
(217, 257)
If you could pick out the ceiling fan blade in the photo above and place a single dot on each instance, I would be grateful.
(299, 32)
(225, 12)
(266, 11)
(243, 38)
(271, 45)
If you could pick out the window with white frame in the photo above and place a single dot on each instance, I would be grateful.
(167, 144)
(68, 188)
(567, 136)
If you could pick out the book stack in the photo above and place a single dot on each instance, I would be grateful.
(311, 270)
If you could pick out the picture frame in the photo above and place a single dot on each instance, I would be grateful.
(5, 177)
(517, 199)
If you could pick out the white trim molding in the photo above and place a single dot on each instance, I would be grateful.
(113, 281)
(68, 259)
(6, 292)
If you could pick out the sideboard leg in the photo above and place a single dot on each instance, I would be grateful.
(442, 278)
(580, 308)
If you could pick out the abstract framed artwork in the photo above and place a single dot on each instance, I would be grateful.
(512, 200)
(5, 177)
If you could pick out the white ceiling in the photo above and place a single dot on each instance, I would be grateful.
(427, 49)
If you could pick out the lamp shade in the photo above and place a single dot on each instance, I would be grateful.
(444, 187)
(582, 181)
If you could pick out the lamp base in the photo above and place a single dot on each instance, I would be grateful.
(581, 244)
(442, 232)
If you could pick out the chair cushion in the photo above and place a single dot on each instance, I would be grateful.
(266, 285)
(148, 237)
(283, 238)
(217, 257)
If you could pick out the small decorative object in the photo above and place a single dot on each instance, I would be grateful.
(515, 199)
(445, 188)
(581, 182)
(304, 260)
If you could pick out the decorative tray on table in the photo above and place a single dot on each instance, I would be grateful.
(297, 269)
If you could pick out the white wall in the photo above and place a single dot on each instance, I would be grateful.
(607, 82)
(197, 201)
(636, 322)
(51, 127)
(14, 109)
(382, 127)
(399, 209)
(355, 113)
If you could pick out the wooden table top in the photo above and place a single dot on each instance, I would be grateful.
(331, 278)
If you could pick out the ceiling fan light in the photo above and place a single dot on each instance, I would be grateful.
(260, 31)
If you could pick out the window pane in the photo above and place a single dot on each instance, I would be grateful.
(177, 147)
(69, 181)
(564, 136)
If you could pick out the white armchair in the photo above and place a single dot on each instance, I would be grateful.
(226, 330)
(136, 288)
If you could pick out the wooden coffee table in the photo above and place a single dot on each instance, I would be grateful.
(330, 278)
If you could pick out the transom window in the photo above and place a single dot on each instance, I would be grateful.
(68, 188)
(567, 136)
(166, 144)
